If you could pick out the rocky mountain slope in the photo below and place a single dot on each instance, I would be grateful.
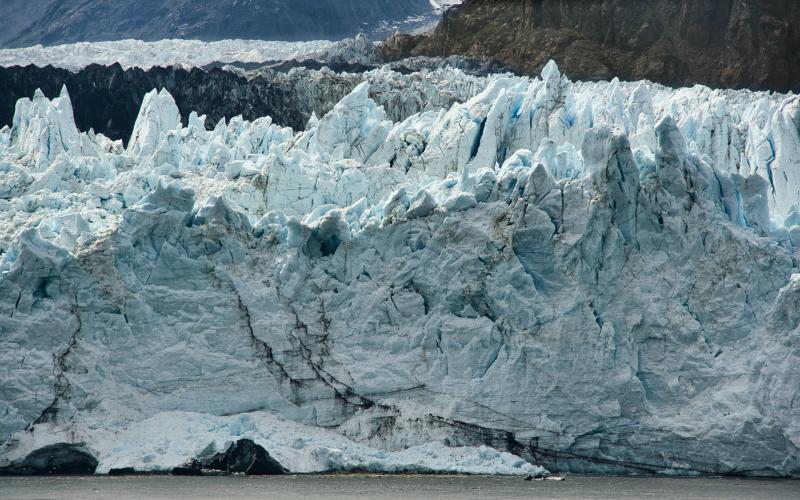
(722, 43)
(585, 276)
(51, 22)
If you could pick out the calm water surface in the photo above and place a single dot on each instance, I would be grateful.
(389, 487)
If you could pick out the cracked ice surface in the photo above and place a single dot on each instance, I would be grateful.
(592, 276)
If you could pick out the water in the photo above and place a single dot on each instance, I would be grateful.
(381, 487)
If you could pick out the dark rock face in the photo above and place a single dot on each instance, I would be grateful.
(722, 43)
(107, 98)
(51, 22)
(242, 457)
(123, 471)
(245, 457)
(57, 459)
(190, 468)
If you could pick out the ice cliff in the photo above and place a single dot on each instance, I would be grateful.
(595, 277)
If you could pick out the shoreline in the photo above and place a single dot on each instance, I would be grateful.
(367, 474)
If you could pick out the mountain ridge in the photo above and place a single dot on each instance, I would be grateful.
(49, 23)
(729, 43)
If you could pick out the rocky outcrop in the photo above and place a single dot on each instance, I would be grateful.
(57, 459)
(245, 457)
(729, 43)
(241, 457)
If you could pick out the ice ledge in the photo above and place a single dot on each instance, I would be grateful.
(169, 439)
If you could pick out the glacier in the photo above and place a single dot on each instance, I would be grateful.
(585, 276)
(189, 53)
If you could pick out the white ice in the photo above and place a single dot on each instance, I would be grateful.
(191, 53)
(605, 272)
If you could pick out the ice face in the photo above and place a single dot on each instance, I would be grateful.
(158, 115)
(354, 129)
(43, 128)
(579, 273)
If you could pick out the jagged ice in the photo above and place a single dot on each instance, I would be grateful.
(592, 276)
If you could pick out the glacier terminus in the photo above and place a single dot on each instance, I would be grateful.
(573, 276)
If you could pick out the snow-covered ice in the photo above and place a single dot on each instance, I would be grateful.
(166, 440)
(441, 5)
(591, 276)
(191, 53)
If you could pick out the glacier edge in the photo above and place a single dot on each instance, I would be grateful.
(578, 274)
